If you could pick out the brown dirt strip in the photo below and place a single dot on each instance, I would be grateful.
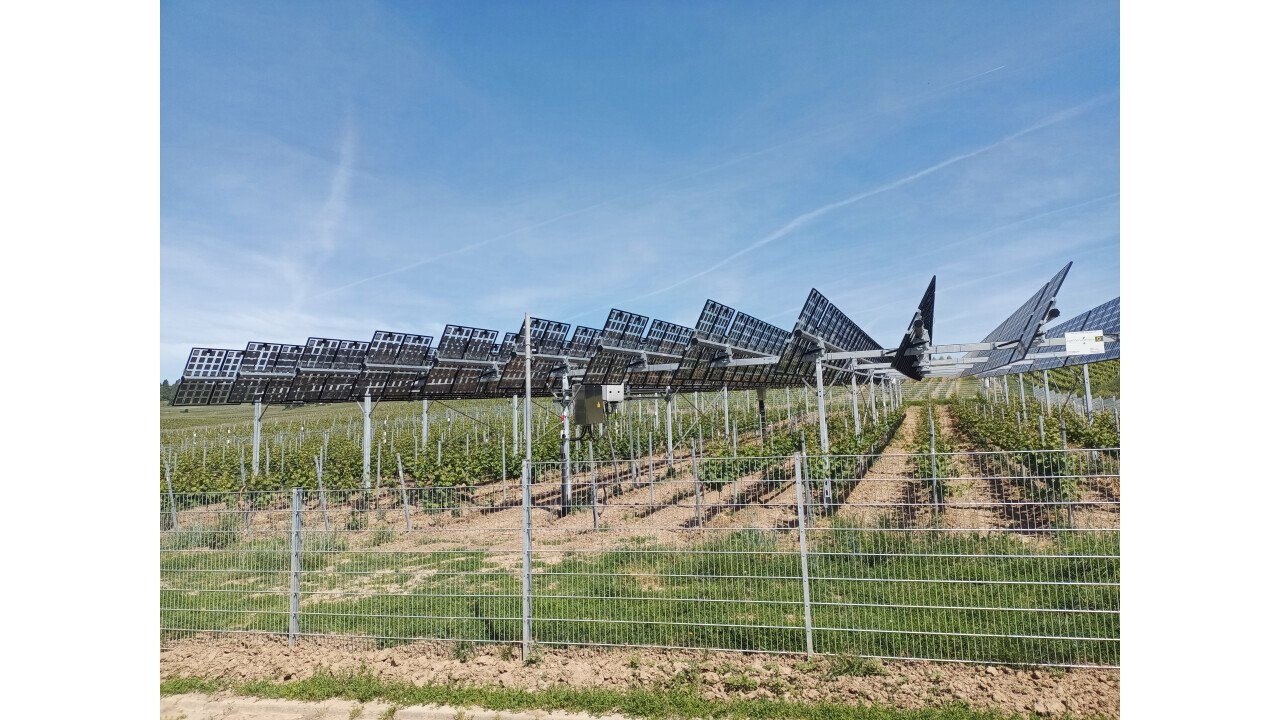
(971, 504)
(906, 684)
(885, 489)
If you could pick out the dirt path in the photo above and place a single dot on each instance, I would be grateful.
(971, 503)
(884, 493)
(905, 684)
(233, 707)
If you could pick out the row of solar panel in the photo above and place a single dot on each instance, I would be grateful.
(1104, 318)
(469, 362)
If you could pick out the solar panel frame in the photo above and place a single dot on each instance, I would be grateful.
(1019, 328)
(820, 317)
(902, 361)
(1104, 318)
(208, 376)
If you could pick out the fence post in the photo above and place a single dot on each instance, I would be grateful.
(595, 505)
(804, 555)
(404, 494)
(697, 487)
(324, 503)
(933, 459)
(526, 575)
(173, 508)
(295, 566)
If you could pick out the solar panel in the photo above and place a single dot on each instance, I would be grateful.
(919, 333)
(547, 336)
(1020, 328)
(584, 343)
(266, 372)
(713, 323)
(1104, 318)
(820, 318)
(719, 323)
(623, 329)
(667, 338)
(466, 343)
(208, 376)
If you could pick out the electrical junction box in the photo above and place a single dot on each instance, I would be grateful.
(588, 404)
(612, 393)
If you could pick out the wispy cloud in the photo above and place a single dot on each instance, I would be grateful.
(635, 192)
(808, 217)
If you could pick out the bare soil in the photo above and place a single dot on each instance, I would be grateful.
(972, 503)
(883, 494)
(716, 675)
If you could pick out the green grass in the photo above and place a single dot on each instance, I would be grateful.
(636, 702)
(867, 580)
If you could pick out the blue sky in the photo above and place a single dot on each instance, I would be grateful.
(333, 169)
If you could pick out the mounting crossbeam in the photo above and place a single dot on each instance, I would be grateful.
(730, 361)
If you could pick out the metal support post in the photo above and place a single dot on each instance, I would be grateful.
(367, 448)
(697, 488)
(883, 399)
(804, 554)
(566, 481)
(515, 424)
(725, 395)
(526, 574)
(426, 422)
(764, 422)
(1022, 394)
(404, 493)
(871, 400)
(1042, 430)
(295, 566)
(257, 434)
(1044, 375)
(933, 463)
(857, 416)
(671, 457)
(168, 481)
(1088, 394)
(595, 497)
(822, 402)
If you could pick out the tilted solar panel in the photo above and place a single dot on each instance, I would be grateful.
(909, 359)
(1019, 329)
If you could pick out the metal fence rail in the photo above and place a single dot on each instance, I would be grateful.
(1000, 557)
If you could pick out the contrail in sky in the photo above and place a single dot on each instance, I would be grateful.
(680, 178)
(812, 215)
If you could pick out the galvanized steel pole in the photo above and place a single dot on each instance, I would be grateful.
(804, 554)
(295, 566)
(1088, 394)
(257, 433)
(368, 438)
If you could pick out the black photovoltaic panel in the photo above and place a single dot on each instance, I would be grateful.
(266, 372)
(821, 318)
(1019, 328)
(466, 343)
(208, 376)
(756, 335)
(920, 329)
(713, 323)
(667, 338)
(1104, 318)
(584, 343)
(623, 329)
(546, 336)
(722, 324)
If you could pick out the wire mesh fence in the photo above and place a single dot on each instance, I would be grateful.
(1000, 557)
